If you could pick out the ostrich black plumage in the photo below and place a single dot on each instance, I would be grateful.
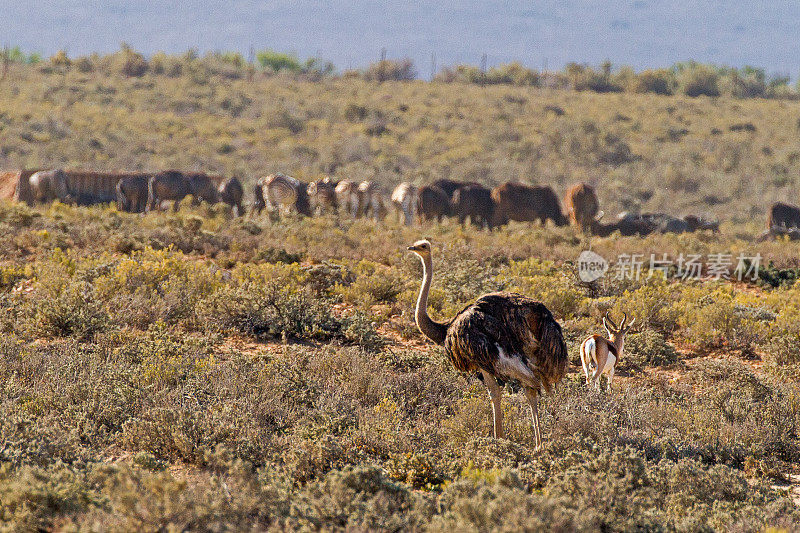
(503, 336)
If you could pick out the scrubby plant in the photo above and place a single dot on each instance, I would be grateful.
(659, 81)
(697, 80)
(190, 371)
(277, 61)
(130, 63)
(649, 348)
(60, 59)
(390, 70)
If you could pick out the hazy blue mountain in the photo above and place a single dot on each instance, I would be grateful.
(642, 33)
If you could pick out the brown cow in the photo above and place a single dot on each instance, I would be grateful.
(132, 194)
(434, 203)
(173, 185)
(524, 203)
(582, 206)
(475, 202)
(231, 192)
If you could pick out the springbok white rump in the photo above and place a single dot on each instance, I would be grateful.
(600, 355)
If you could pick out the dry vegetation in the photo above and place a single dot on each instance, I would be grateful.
(727, 157)
(194, 371)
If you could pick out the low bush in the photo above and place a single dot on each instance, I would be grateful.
(390, 70)
(648, 348)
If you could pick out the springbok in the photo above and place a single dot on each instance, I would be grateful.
(600, 355)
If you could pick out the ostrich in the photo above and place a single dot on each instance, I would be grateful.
(502, 336)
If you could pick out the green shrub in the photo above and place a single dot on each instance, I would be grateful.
(277, 255)
(782, 346)
(373, 284)
(698, 80)
(415, 470)
(69, 309)
(269, 311)
(37, 498)
(277, 61)
(130, 63)
(659, 81)
(359, 498)
(60, 59)
(649, 348)
(390, 70)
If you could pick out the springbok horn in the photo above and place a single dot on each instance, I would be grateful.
(624, 319)
(608, 317)
(631, 323)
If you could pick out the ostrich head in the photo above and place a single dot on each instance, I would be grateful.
(421, 248)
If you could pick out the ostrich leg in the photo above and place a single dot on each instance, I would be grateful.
(534, 401)
(495, 393)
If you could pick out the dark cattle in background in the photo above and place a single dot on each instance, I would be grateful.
(434, 204)
(474, 202)
(448, 186)
(793, 234)
(451, 186)
(202, 188)
(258, 198)
(783, 215)
(132, 194)
(627, 225)
(696, 223)
(525, 203)
(665, 223)
(231, 192)
(174, 186)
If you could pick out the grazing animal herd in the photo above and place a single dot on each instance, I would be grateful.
(465, 201)
(501, 336)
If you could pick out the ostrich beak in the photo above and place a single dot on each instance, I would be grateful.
(412, 248)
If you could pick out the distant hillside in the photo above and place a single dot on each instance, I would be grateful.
(642, 33)
(721, 156)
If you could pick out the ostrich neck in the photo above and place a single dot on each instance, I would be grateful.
(433, 330)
